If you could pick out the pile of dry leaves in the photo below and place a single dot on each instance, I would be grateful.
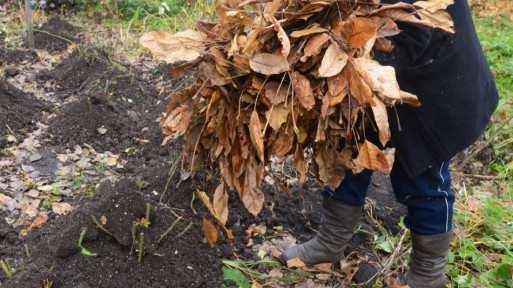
(277, 77)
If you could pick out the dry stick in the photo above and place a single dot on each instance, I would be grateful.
(483, 177)
(483, 145)
(101, 227)
(172, 173)
(6, 270)
(169, 229)
(391, 260)
(30, 24)
(56, 36)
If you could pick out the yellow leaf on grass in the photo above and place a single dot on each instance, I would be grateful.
(210, 232)
(474, 204)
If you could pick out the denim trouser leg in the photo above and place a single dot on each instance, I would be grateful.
(428, 197)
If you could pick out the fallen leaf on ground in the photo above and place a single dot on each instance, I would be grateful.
(474, 204)
(40, 220)
(210, 232)
(61, 208)
(295, 263)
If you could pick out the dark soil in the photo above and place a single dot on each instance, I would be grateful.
(15, 57)
(55, 27)
(97, 93)
(19, 112)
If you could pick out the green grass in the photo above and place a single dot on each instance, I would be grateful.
(495, 37)
(147, 15)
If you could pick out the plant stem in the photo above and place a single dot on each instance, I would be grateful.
(148, 208)
(141, 243)
(27, 251)
(101, 227)
(185, 230)
(169, 229)
(6, 270)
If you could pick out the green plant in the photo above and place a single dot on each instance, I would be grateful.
(84, 250)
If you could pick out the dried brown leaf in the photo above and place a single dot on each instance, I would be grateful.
(252, 196)
(185, 45)
(255, 133)
(433, 6)
(333, 62)
(220, 204)
(303, 90)
(364, 30)
(210, 232)
(372, 158)
(278, 115)
(269, 64)
(314, 45)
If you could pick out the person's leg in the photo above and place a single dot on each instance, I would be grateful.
(430, 209)
(342, 209)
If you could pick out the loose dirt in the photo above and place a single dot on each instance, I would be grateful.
(102, 112)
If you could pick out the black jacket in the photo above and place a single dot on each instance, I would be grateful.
(450, 76)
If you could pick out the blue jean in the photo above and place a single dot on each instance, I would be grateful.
(428, 197)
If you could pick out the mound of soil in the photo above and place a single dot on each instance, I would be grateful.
(10, 57)
(18, 111)
(55, 27)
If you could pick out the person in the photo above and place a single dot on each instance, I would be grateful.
(450, 76)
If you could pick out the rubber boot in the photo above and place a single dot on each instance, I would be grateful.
(338, 222)
(427, 261)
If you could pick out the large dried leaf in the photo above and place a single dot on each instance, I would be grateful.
(324, 161)
(269, 64)
(278, 115)
(282, 36)
(372, 158)
(439, 19)
(300, 162)
(206, 201)
(255, 133)
(314, 45)
(303, 90)
(252, 196)
(210, 232)
(357, 86)
(275, 92)
(333, 62)
(381, 79)
(220, 204)
(185, 45)
(284, 140)
(433, 5)
(364, 30)
(381, 117)
(307, 32)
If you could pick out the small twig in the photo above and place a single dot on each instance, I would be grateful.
(483, 145)
(185, 230)
(141, 243)
(101, 227)
(6, 270)
(30, 25)
(171, 174)
(169, 229)
(483, 177)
